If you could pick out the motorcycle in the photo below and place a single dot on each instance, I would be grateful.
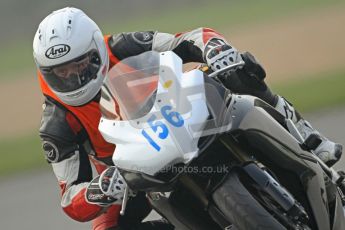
(211, 159)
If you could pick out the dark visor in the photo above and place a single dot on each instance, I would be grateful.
(74, 74)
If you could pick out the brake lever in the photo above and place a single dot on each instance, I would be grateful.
(124, 201)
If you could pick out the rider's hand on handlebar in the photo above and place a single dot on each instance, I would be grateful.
(112, 183)
(220, 55)
(108, 188)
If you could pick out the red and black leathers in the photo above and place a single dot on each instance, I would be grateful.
(70, 136)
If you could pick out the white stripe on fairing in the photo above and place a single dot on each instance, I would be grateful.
(142, 81)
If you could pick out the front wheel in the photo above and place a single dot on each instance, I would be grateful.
(246, 211)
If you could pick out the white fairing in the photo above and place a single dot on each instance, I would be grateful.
(142, 144)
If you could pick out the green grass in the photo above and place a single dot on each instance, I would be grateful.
(307, 95)
(217, 14)
(21, 154)
(16, 59)
(221, 15)
(313, 93)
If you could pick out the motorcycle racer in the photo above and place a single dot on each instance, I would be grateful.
(73, 58)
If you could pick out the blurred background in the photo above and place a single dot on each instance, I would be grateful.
(300, 44)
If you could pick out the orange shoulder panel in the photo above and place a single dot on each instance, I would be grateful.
(89, 116)
(112, 59)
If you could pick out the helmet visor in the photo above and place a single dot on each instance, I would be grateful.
(74, 74)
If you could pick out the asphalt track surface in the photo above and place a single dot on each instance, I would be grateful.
(31, 201)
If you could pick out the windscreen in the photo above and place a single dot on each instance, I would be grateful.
(133, 83)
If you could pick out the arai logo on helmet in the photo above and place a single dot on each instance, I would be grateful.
(57, 51)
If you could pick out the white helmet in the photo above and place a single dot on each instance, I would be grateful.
(71, 54)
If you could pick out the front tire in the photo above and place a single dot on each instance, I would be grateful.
(241, 208)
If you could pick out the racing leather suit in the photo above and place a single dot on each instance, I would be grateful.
(75, 148)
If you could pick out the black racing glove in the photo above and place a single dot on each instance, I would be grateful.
(252, 67)
(249, 80)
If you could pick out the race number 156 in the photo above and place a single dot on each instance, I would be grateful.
(162, 131)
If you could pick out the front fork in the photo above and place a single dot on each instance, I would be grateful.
(257, 172)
